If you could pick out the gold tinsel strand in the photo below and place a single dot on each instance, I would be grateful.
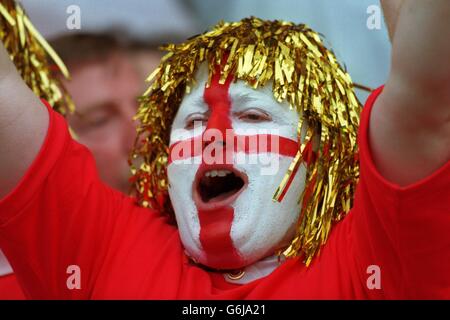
(30, 52)
(304, 73)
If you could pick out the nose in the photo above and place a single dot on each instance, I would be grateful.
(220, 143)
(217, 128)
(217, 152)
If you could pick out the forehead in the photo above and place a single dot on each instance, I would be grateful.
(112, 79)
(241, 95)
(243, 100)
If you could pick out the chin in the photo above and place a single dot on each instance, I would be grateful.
(221, 265)
(217, 263)
(225, 261)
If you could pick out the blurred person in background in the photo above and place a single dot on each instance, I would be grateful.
(105, 85)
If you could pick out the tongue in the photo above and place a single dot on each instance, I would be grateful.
(222, 196)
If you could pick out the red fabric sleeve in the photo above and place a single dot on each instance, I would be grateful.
(60, 214)
(403, 230)
(10, 288)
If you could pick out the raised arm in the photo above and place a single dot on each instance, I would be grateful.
(23, 125)
(410, 122)
(54, 210)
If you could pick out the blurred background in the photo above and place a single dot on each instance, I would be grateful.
(110, 46)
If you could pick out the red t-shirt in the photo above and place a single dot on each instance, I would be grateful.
(10, 288)
(61, 214)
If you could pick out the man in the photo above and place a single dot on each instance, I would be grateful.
(104, 86)
(61, 215)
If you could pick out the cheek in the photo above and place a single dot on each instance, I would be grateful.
(106, 147)
(261, 225)
(273, 127)
(181, 177)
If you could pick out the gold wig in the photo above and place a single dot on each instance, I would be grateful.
(304, 73)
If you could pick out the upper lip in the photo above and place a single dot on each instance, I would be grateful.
(201, 205)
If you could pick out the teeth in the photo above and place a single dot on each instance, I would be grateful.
(222, 173)
(217, 173)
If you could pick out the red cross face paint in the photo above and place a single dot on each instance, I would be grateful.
(230, 147)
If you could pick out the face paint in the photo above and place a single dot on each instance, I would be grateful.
(221, 189)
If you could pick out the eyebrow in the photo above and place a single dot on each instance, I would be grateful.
(199, 104)
(249, 96)
(94, 108)
(243, 97)
(207, 112)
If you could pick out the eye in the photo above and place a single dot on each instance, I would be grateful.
(254, 115)
(195, 119)
(96, 118)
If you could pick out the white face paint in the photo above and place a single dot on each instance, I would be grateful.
(230, 222)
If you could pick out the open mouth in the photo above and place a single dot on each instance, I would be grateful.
(217, 187)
